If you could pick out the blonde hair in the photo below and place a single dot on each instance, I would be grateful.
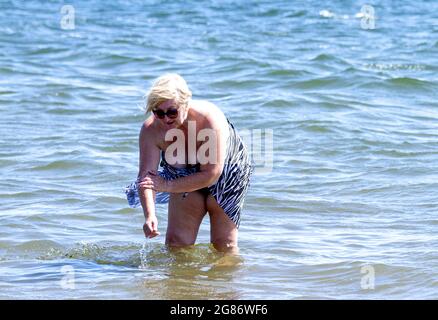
(170, 86)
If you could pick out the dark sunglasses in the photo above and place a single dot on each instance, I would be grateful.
(171, 113)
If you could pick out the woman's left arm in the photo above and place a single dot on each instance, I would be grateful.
(189, 183)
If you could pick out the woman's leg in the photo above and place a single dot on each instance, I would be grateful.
(185, 217)
(223, 231)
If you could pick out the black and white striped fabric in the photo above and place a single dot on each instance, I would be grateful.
(231, 187)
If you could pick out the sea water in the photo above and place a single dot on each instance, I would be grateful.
(343, 96)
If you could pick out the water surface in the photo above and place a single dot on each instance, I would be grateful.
(354, 115)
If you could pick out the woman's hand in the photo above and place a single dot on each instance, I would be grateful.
(150, 227)
(155, 182)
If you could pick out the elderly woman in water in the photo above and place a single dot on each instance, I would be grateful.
(205, 167)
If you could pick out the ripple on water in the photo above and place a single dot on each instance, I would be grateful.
(354, 118)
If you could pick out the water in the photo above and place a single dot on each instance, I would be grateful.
(349, 210)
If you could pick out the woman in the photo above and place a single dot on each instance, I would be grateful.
(210, 172)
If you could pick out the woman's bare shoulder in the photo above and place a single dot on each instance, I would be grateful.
(148, 130)
(205, 105)
(210, 111)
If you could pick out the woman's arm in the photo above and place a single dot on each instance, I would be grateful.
(195, 181)
(149, 157)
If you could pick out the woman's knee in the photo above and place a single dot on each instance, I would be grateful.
(226, 245)
(225, 241)
(175, 239)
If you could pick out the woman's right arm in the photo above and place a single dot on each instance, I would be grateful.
(148, 160)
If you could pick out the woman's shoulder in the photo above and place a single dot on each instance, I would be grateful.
(148, 129)
(148, 124)
(204, 105)
(209, 110)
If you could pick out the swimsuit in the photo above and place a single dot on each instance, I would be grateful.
(230, 189)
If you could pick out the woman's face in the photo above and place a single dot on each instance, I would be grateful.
(169, 114)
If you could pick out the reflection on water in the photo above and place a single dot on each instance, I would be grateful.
(153, 270)
(195, 272)
(156, 272)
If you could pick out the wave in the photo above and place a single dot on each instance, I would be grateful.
(410, 82)
(329, 82)
(46, 51)
(61, 165)
(400, 83)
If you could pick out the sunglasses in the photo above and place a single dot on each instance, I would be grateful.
(171, 113)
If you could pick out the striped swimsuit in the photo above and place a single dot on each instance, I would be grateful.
(230, 189)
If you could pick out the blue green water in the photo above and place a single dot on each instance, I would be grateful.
(349, 210)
